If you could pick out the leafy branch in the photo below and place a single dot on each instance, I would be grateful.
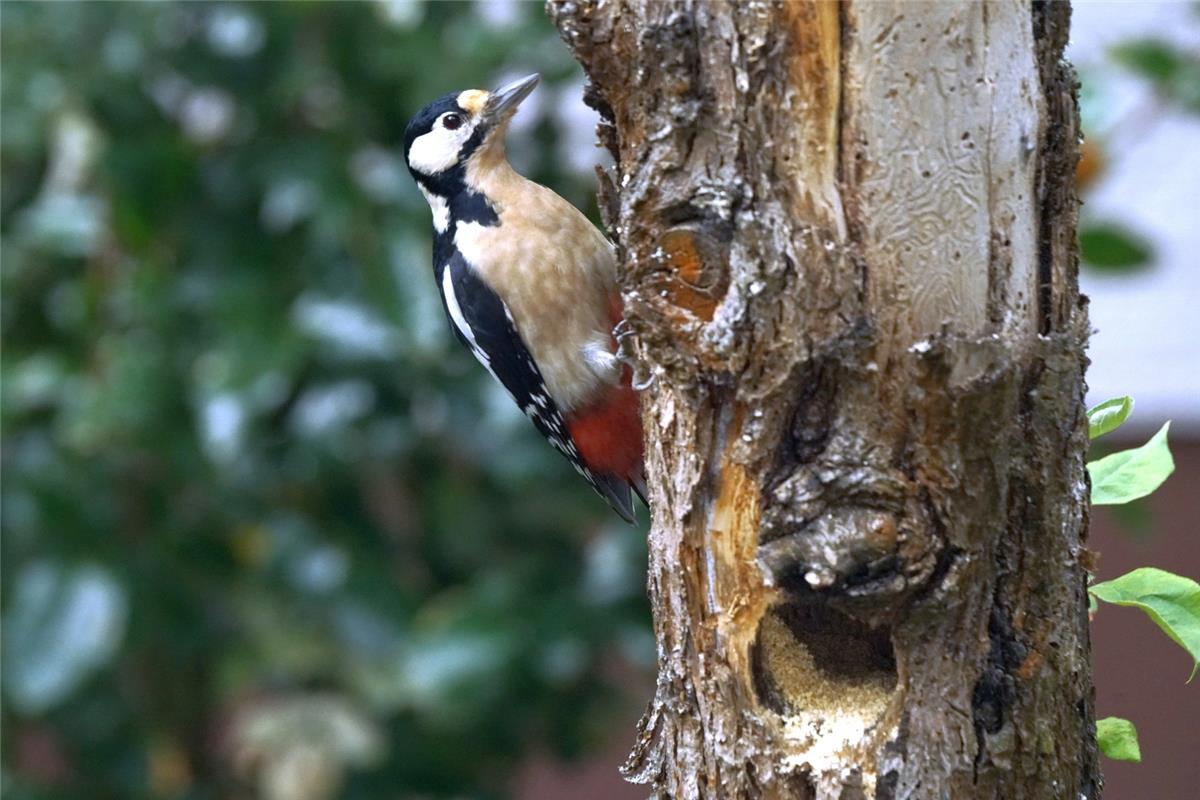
(1171, 601)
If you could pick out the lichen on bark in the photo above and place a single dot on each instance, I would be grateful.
(846, 234)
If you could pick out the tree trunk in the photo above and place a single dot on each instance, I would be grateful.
(847, 233)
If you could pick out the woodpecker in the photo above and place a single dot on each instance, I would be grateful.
(529, 287)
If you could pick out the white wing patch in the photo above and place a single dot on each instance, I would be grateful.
(460, 322)
(456, 314)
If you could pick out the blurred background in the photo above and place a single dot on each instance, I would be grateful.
(269, 532)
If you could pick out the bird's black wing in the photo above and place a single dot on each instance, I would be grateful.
(484, 325)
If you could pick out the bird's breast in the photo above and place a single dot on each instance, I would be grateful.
(556, 274)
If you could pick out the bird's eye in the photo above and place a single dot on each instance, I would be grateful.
(452, 122)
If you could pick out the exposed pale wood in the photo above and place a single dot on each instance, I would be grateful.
(942, 127)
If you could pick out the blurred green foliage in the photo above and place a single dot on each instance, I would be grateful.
(1172, 71)
(267, 530)
(1172, 75)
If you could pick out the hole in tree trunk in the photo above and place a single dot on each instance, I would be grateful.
(813, 659)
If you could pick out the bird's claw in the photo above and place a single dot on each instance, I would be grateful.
(642, 377)
(626, 344)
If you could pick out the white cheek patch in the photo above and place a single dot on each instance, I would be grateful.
(438, 150)
(434, 152)
(440, 208)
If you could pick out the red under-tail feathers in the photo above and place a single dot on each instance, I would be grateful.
(608, 431)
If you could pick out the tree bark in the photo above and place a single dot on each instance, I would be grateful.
(847, 235)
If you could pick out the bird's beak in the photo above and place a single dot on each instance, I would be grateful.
(504, 101)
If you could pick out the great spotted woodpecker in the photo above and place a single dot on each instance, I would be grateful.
(529, 286)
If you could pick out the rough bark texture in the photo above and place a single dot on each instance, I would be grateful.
(847, 235)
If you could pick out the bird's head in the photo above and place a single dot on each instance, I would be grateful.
(462, 128)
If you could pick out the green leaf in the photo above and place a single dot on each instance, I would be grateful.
(1118, 739)
(1111, 248)
(1130, 474)
(1108, 416)
(1172, 601)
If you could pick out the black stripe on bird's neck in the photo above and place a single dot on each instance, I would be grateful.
(464, 203)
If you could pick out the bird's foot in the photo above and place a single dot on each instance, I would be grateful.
(642, 376)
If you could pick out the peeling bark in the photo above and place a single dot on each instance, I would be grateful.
(847, 237)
